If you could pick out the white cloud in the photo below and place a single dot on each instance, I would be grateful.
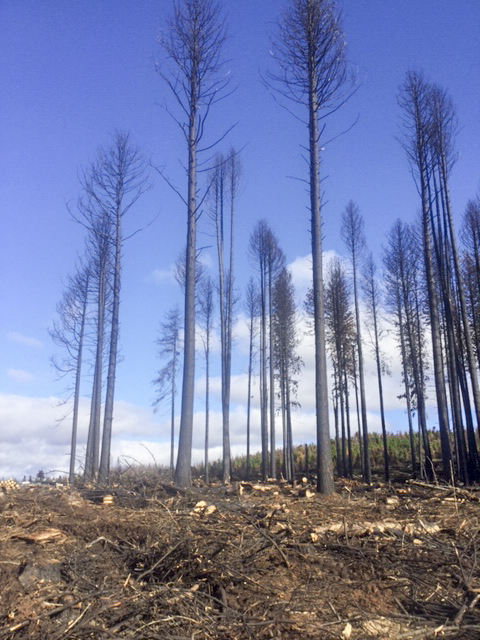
(207, 260)
(145, 453)
(160, 276)
(19, 338)
(301, 270)
(33, 435)
(23, 377)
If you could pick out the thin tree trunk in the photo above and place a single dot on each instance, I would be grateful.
(367, 470)
(224, 328)
(273, 470)
(325, 484)
(336, 403)
(290, 460)
(405, 378)
(207, 403)
(386, 457)
(76, 396)
(229, 327)
(357, 406)
(104, 471)
(183, 471)
(263, 378)
(283, 412)
(347, 415)
(249, 387)
(172, 420)
(342, 420)
(435, 331)
(93, 440)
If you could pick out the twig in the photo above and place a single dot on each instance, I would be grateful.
(334, 610)
(464, 608)
(73, 623)
(100, 539)
(265, 535)
(153, 567)
(426, 632)
(446, 488)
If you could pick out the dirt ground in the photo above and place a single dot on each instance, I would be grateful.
(247, 561)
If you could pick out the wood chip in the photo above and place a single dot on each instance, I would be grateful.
(43, 537)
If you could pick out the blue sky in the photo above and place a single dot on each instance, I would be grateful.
(73, 72)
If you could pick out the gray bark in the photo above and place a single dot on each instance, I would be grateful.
(310, 51)
(352, 234)
(196, 34)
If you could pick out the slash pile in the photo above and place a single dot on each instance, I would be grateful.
(243, 562)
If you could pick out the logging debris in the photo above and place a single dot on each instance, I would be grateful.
(248, 561)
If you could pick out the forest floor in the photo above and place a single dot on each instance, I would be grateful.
(248, 561)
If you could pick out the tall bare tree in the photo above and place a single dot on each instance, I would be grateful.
(275, 266)
(166, 381)
(206, 307)
(373, 305)
(259, 250)
(193, 45)
(234, 173)
(118, 180)
(340, 327)
(444, 123)
(353, 236)
(309, 49)
(470, 235)
(406, 300)
(286, 361)
(414, 99)
(252, 309)
(94, 217)
(111, 185)
(225, 178)
(69, 334)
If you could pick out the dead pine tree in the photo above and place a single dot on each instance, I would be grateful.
(414, 100)
(404, 298)
(275, 265)
(372, 294)
(192, 45)
(169, 345)
(444, 127)
(353, 236)
(340, 332)
(224, 184)
(206, 307)
(287, 363)
(470, 236)
(119, 181)
(69, 332)
(98, 224)
(264, 253)
(252, 309)
(310, 51)
(111, 185)
(258, 252)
